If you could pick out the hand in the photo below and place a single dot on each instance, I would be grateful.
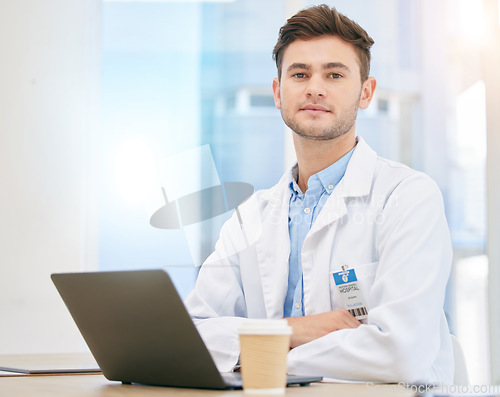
(308, 328)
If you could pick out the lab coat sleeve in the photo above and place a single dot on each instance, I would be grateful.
(217, 302)
(404, 330)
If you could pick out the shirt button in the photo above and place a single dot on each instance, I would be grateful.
(330, 187)
(307, 210)
(297, 305)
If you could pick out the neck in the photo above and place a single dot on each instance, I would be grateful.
(314, 156)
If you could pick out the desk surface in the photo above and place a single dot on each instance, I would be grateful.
(96, 385)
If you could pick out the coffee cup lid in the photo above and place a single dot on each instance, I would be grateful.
(265, 327)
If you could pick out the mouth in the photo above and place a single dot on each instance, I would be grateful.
(316, 109)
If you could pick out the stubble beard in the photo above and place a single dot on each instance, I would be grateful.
(343, 125)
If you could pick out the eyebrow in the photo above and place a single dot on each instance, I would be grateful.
(329, 65)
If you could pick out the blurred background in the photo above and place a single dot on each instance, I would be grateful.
(97, 98)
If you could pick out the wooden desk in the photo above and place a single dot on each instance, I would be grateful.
(98, 386)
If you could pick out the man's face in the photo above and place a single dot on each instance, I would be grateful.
(320, 89)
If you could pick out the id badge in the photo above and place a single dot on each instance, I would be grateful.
(351, 294)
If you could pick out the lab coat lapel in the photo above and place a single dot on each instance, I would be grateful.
(357, 182)
(316, 283)
(333, 210)
(273, 249)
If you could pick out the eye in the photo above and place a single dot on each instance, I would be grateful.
(299, 75)
(335, 75)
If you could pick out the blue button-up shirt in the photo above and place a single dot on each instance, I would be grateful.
(303, 211)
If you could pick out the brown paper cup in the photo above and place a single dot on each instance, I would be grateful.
(264, 348)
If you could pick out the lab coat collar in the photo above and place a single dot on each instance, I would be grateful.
(357, 181)
(358, 178)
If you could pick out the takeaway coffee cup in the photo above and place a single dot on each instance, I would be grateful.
(264, 347)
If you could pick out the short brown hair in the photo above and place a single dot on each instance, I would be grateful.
(324, 20)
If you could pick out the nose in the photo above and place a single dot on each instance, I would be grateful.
(315, 87)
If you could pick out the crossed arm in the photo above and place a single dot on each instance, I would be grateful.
(308, 328)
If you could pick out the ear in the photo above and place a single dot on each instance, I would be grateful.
(277, 93)
(367, 91)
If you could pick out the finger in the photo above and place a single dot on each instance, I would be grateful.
(350, 320)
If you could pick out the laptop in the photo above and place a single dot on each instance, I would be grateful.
(139, 331)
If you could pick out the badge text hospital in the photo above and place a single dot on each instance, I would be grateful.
(347, 284)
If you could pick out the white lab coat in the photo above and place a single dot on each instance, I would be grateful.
(384, 220)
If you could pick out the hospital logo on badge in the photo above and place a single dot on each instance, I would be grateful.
(350, 292)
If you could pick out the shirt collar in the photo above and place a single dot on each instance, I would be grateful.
(294, 177)
(329, 177)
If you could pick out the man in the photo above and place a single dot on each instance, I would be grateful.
(341, 209)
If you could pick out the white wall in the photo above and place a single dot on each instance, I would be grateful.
(49, 51)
